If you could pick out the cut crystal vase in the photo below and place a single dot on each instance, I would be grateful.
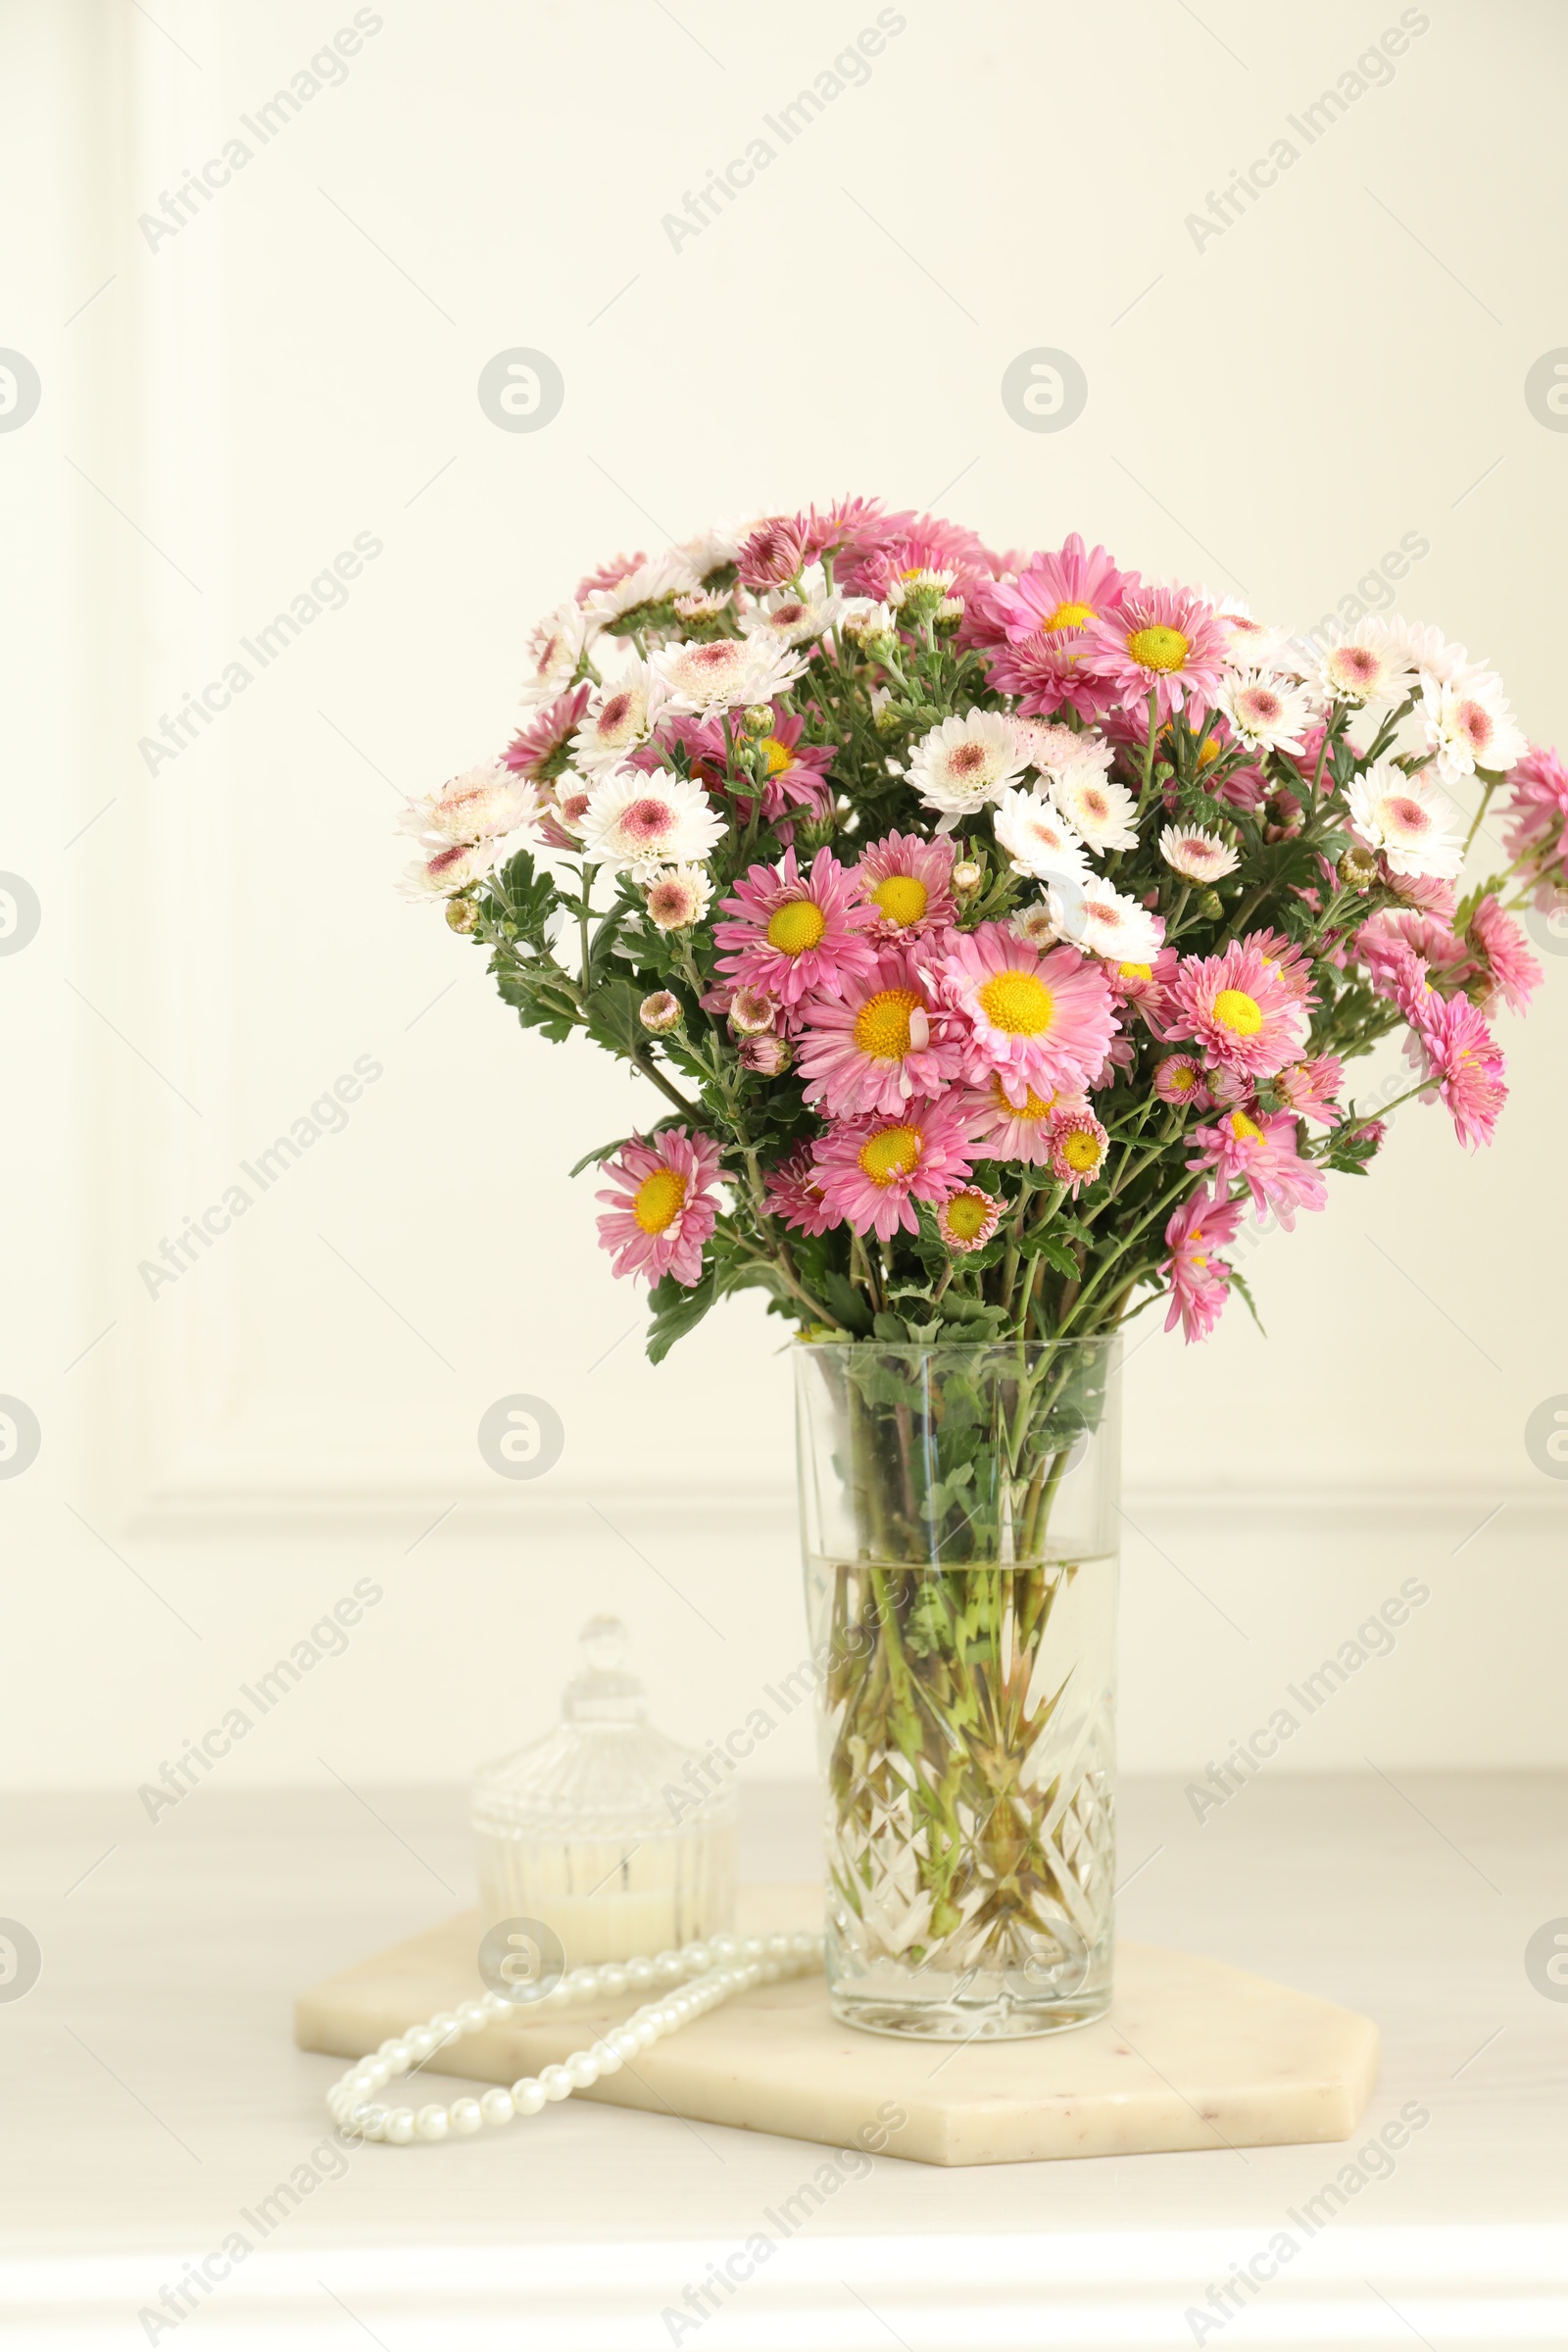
(959, 1516)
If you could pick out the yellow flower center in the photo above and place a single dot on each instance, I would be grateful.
(1245, 1130)
(882, 1024)
(1181, 1080)
(659, 1199)
(1017, 1003)
(1210, 749)
(966, 1214)
(776, 754)
(797, 927)
(1157, 647)
(893, 1152)
(902, 899)
(1136, 971)
(1081, 1151)
(1239, 1012)
(1035, 1106)
(1068, 617)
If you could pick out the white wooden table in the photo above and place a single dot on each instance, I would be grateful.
(152, 2101)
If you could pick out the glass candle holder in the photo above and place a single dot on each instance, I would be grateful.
(612, 1835)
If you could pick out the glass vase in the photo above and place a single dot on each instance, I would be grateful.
(958, 1509)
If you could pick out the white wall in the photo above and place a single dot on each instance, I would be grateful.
(298, 364)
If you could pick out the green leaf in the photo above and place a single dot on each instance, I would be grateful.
(611, 1013)
(589, 1158)
(1039, 1244)
(848, 1304)
(1239, 1283)
(891, 1328)
(677, 1311)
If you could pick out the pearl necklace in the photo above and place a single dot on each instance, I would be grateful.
(707, 1974)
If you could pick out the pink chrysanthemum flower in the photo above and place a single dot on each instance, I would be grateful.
(794, 1194)
(663, 1207)
(1163, 641)
(1059, 595)
(1288, 962)
(1263, 1154)
(1462, 1058)
(1388, 941)
(1199, 1279)
(967, 1221)
(1432, 892)
(1497, 938)
(783, 773)
(608, 575)
(1146, 985)
(1537, 809)
(773, 554)
(1035, 1020)
(1311, 1088)
(1239, 1008)
(874, 1170)
(1078, 1147)
(1007, 1131)
(540, 749)
(876, 1046)
(792, 933)
(910, 884)
(1045, 615)
(1178, 1081)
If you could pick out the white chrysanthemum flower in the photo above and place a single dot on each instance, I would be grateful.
(1038, 838)
(1108, 924)
(569, 799)
(720, 544)
(704, 603)
(963, 764)
(679, 896)
(1267, 713)
(634, 821)
(1408, 819)
(721, 673)
(1469, 725)
(928, 582)
(651, 583)
(1038, 925)
(1252, 644)
(1427, 651)
(620, 714)
(1198, 856)
(442, 872)
(861, 619)
(797, 619)
(482, 804)
(556, 646)
(1053, 748)
(1100, 810)
(1366, 665)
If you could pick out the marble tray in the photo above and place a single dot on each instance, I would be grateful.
(1193, 2054)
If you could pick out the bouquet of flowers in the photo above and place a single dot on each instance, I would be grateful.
(998, 930)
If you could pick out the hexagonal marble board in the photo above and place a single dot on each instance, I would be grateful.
(1191, 2054)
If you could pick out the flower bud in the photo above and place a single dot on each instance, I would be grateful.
(660, 1012)
(1359, 867)
(752, 1012)
(967, 878)
(769, 1056)
(759, 720)
(1209, 907)
(462, 915)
